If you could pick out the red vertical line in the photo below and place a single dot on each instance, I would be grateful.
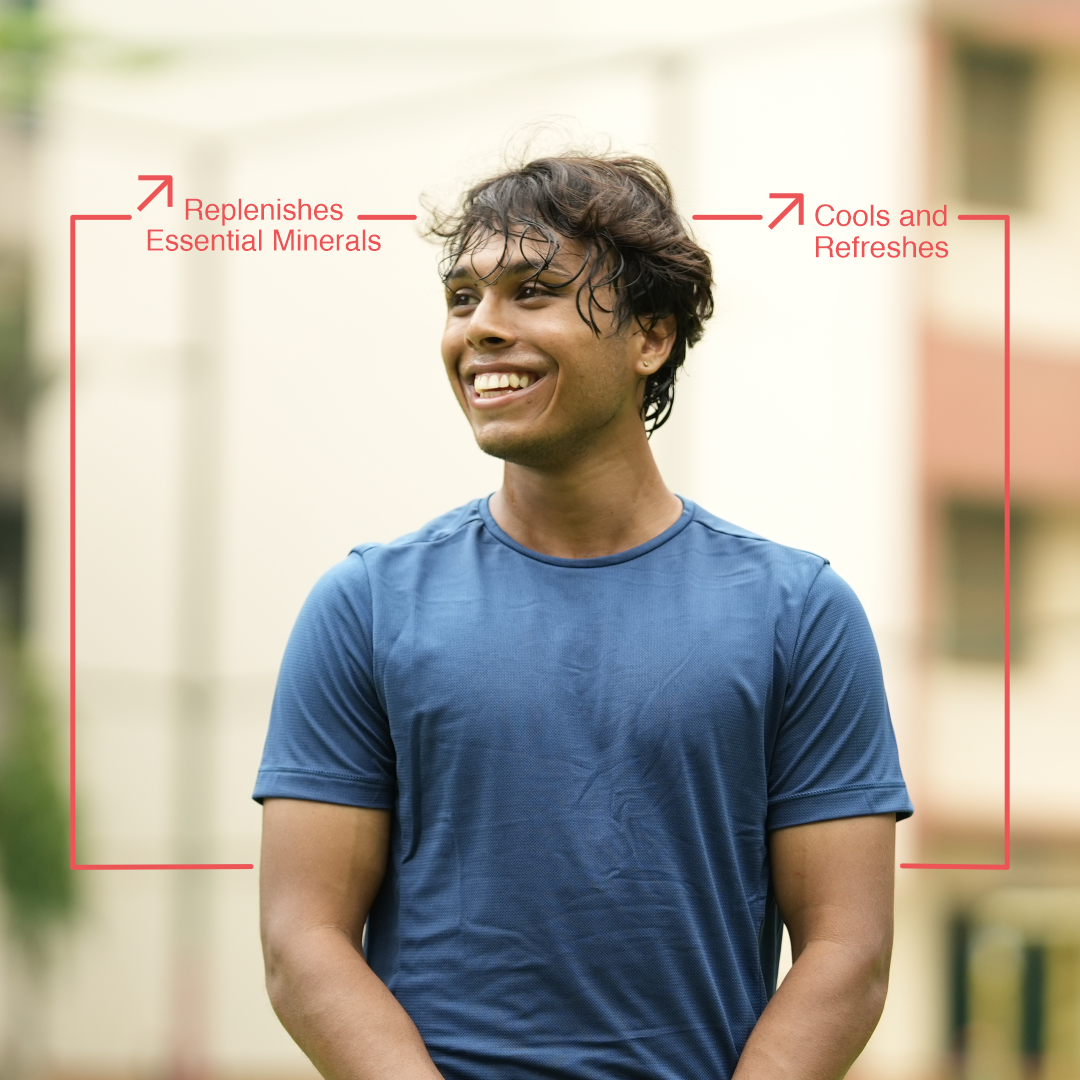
(71, 543)
(1008, 545)
(1006, 862)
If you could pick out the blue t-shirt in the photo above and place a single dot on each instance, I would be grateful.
(584, 758)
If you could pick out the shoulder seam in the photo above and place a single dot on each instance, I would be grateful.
(802, 610)
(745, 534)
(742, 534)
(472, 516)
(376, 677)
(798, 641)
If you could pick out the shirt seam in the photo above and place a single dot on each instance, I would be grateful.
(745, 534)
(740, 534)
(376, 673)
(351, 778)
(883, 787)
(785, 710)
(474, 516)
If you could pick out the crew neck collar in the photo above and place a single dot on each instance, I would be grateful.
(659, 540)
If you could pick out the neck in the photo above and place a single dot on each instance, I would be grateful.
(611, 499)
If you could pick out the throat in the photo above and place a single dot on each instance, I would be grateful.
(582, 528)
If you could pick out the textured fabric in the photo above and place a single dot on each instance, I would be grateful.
(584, 758)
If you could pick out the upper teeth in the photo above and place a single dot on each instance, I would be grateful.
(496, 380)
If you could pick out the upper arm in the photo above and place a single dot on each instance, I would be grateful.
(834, 753)
(329, 739)
(322, 865)
(834, 881)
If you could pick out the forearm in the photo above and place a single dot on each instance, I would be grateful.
(820, 1017)
(340, 1013)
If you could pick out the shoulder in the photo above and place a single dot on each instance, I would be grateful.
(344, 591)
(809, 603)
(779, 563)
(340, 616)
(439, 532)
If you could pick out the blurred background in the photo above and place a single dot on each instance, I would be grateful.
(244, 419)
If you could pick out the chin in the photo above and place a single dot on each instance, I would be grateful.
(532, 450)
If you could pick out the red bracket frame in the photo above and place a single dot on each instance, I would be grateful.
(1007, 854)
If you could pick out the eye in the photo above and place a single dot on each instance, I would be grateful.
(460, 299)
(530, 290)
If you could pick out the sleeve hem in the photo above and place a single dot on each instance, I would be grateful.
(323, 787)
(839, 803)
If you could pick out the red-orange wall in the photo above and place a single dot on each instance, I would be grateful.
(963, 412)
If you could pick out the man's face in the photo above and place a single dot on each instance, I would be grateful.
(537, 385)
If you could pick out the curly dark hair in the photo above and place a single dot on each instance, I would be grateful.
(623, 211)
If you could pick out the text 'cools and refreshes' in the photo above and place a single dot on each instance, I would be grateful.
(861, 248)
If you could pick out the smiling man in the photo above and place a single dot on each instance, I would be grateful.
(572, 752)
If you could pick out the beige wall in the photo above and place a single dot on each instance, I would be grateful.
(797, 417)
(963, 453)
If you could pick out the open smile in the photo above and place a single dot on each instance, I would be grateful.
(499, 384)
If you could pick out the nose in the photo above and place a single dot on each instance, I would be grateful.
(489, 327)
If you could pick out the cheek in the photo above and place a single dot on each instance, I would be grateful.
(451, 346)
(604, 364)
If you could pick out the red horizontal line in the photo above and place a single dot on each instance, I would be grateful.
(982, 217)
(165, 866)
(100, 217)
(952, 866)
(385, 217)
(728, 217)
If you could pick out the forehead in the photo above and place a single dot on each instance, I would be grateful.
(518, 254)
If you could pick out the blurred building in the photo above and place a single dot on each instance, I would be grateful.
(244, 419)
(1004, 133)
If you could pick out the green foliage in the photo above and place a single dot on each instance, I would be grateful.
(27, 44)
(34, 866)
(16, 376)
(35, 874)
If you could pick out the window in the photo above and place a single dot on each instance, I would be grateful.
(974, 591)
(1014, 979)
(995, 90)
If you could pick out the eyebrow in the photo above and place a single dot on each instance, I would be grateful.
(514, 269)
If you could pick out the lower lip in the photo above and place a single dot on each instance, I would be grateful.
(503, 399)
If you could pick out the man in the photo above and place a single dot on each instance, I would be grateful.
(571, 752)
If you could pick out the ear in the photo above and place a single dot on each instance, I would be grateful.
(655, 339)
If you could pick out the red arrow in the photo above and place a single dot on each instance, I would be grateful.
(166, 182)
(796, 198)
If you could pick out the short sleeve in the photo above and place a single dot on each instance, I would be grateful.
(329, 739)
(835, 751)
